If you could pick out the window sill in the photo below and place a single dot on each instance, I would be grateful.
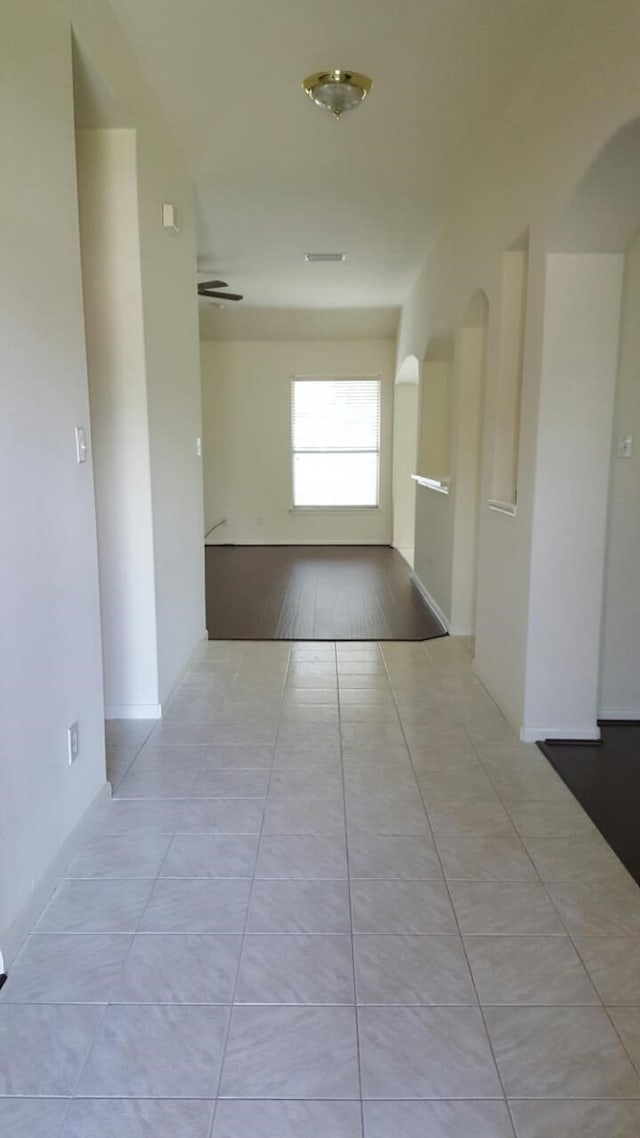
(440, 485)
(508, 508)
(332, 509)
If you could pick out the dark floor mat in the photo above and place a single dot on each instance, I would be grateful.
(327, 592)
(605, 779)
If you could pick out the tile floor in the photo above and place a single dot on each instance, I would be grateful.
(333, 897)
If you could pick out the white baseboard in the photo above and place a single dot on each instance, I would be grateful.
(619, 712)
(536, 734)
(570, 731)
(407, 554)
(444, 621)
(133, 711)
(18, 931)
(461, 630)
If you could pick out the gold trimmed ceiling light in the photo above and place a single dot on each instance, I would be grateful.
(337, 91)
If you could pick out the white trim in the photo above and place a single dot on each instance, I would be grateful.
(133, 711)
(440, 485)
(571, 731)
(619, 712)
(589, 734)
(26, 919)
(308, 541)
(508, 508)
(430, 601)
(461, 630)
(325, 377)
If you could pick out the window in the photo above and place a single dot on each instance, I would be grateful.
(335, 427)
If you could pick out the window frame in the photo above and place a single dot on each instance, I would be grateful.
(361, 450)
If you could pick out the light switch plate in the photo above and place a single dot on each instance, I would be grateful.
(73, 742)
(625, 446)
(170, 218)
(81, 444)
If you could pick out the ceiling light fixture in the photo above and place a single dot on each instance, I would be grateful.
(337, 91)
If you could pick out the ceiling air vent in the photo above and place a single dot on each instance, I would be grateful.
(313, 257)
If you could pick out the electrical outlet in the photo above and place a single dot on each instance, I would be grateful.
(73, 742)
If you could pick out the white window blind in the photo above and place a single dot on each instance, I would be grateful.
(336, 442)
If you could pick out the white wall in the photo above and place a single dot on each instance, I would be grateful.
(506, 426)
(434, 452)
(247, 440)
(434, 547)
(434, 514)
(50, 663)
(112, 289)
(465, 490)
(578, 373)
(405, 447)
(620, 679)
(171, 344)
(168, 266)
(523, 176)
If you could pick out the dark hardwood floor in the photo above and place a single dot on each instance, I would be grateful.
(605, 778)
(328, 592)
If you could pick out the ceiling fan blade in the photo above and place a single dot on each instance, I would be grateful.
(212, 284)
(221, 295)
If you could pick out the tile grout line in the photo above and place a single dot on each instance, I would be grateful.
(172, 836)
(111, 1003)
(601, 1004)
(455, 917)
(349, 898)
(232, 1005)
(104, 1006)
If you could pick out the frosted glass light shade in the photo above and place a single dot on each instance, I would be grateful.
(337, 91)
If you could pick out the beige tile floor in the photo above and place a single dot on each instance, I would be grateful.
(333, 897)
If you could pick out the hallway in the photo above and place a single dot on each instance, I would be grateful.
(333, 897)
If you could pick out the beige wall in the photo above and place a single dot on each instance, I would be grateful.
(247, 440)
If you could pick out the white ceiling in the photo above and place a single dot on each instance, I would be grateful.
(277, 177)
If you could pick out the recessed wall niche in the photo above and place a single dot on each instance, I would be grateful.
(434, 451)
(506, 427)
